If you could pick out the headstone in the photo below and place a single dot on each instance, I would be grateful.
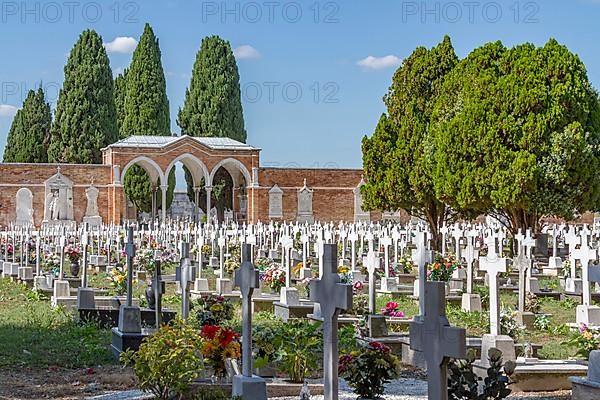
(92, 216)
(24, 207)
(275, 202)
(305, 208)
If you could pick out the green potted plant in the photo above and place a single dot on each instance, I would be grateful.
(369, 369)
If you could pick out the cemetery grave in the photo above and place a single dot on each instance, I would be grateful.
(150, 274)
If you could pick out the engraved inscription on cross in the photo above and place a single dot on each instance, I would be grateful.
(438, 341)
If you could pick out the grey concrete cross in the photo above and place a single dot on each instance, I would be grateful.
(247, 385)
(185, 275)
(333, 297)
(246, 278)
(130, 253)
(438, 341)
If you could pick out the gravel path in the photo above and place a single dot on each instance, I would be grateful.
(401, 389)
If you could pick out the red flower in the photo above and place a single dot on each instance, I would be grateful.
(209, 331)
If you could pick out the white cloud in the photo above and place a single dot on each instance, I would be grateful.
(6, 110)
(377, 63)
(121, 44)
(246, 52)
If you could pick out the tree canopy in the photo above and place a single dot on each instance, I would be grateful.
(30, 131)
(397, 158)
(213, 105)
(85, 119)
(141, 98)
(516, 134)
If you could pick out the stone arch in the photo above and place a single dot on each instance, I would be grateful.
(150, 166)
(228, 163)
(196, 167)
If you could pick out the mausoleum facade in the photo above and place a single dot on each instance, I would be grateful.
(38, 193)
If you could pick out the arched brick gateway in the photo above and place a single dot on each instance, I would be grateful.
(270, 193)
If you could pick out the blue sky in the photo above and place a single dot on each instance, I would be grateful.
(340, 54)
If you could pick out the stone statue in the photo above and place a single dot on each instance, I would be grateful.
(92, 201)
(58, 204)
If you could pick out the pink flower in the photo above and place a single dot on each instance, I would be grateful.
(358, 285)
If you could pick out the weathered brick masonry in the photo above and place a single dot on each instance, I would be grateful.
(333, 189)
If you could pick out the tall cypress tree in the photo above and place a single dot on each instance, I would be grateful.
(29, 133)
(142, 95)
(85, 119)
(213, 105)
(120, 93)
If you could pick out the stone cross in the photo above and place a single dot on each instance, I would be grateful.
(419, 258)
(246, 278)
(247, 386)
(493, 266)
(221, 243)
(524, 264)
(469, 255)
(37, 255)
(333, 297)
(386, 241)
(457, 234)
(157, 289)
(61, 247)
(130, 253)
(372, 264)
(444, 231)
(433, 335)
(185, 275)
(353, 237)
(84, 255)
(528, 243)
(585, 254)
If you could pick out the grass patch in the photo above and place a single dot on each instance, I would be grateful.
(35, 335)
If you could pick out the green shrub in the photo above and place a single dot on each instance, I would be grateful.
(463, 384)
(167, 361)
(298, 342)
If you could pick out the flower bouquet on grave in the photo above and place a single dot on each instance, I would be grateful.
(118, 280)
(369, 369)
(219, 344)
(231, 265)
(344, 273)
(274, 278)
(584, 340)
(360, 304)
(297, 268)
(405, 265)
(214, 310)
(7, 247)
(391, 310)
(145, 259)
(304, 286)
(206, 249)
(73, 252)
(263, 263)
(168, 260)
(51, 263)
(442, 268)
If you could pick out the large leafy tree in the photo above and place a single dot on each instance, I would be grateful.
(213, 107)
(30, 131)
(141, 98)
(398, 157)
(516, 134)
(213, 104)
(85, 118)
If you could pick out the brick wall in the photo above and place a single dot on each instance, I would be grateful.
(32, 176)
(333, 196)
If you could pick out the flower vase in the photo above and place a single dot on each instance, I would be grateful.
(74, 268)
(150, 298)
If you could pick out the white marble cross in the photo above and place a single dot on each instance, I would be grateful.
(444, 231)
(493, 266)
(372, 264)
(585, 254)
